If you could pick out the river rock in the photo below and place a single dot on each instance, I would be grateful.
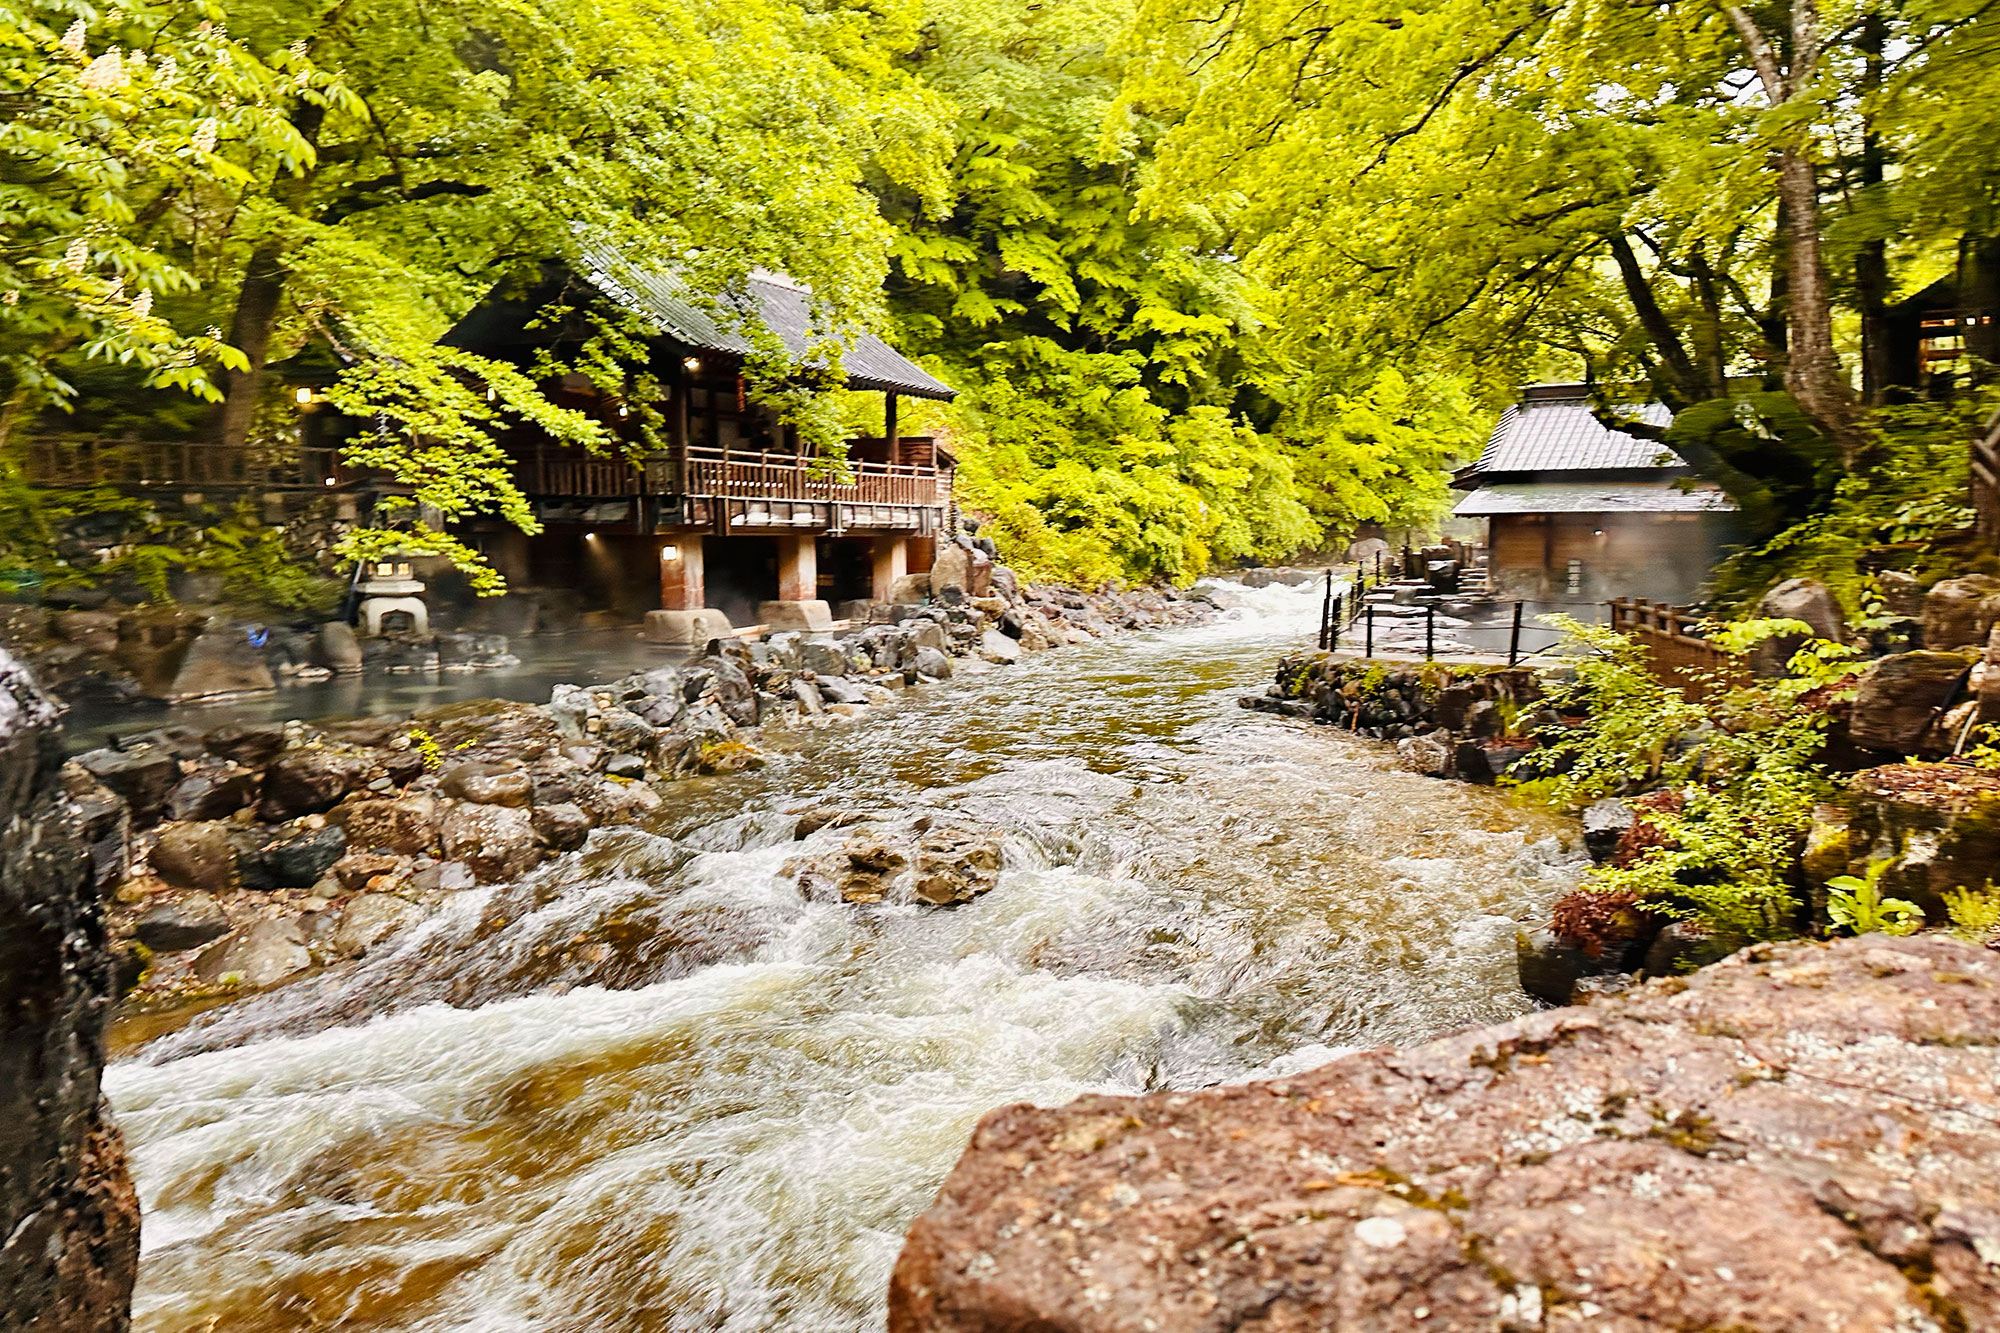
(497, 841)
(724, 682)
(370, 918)
(298, 862)
(927, 634)
(562, 826)
(212, 793)
(142, 778)
(1961, 612)
(339, 647)
(628, 766)
(222, 660)
(251, 744)
(491, 729)
(571, 707)
(997, 647)
(824, 657)
(258, 955)
(1937, 825)
(194, 856)
(308, 781)
(809, 697)
(629, 734)
(356, 868)
(1702, 1152)
(406, 825)
(1682, 946)
(956, 865)
(910, 590)
(485, 783)
(1430, 755)
(1898, 697)
(1604, 826)
(609, 803)
(932, 664)
(188, 921)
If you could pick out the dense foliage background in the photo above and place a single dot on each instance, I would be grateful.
(1218, 281)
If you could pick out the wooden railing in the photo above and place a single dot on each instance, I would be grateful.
(733, 474)
(90, 461)
(1986, 484)
(1679, 653)
(783, 477)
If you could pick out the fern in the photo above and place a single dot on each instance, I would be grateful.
(1856, 904)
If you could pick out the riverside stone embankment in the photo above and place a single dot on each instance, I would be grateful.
(1803, 1137)
(69, 1219)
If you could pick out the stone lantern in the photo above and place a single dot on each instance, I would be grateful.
(392, 588)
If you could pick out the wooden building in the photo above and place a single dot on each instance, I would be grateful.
(1578, 512)
(735, 514)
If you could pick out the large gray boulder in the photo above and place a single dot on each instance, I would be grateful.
(1897, 701)
(1961, 612)
(1806, 600)
(1805, 1136)
(223, 660)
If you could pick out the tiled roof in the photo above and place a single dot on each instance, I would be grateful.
(783, 307)
(1570, 497)
(1552, 430)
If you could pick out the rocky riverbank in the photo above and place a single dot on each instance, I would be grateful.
(253, 853)
(69, 1220)
(1803, 1137)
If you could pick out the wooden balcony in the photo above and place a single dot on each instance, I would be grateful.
(730, 474)
(71, 461)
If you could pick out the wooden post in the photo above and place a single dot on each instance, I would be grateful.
(1430, 630)
(1333, 625)
(890, 402)
(1514, 637)
(1368, 649)
(1326, 612)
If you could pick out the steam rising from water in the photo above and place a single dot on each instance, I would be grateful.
(654, 1088)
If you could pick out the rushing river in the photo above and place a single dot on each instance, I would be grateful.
(656, 1088)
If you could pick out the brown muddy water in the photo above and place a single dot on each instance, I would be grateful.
(656, 1088)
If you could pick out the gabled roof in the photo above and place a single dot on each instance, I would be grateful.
(781, 306)
(1552, 430)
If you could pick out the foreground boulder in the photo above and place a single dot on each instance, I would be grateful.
(69, 1219)
(1802, 1137)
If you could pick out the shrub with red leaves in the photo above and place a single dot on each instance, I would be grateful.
(1597, 921)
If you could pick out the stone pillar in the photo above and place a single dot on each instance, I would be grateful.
(892, 561)
(798, 568)
(682, 587)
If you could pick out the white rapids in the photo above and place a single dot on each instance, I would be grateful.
(656, 1088)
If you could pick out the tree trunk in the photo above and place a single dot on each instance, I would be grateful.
(258, 299)
(1871, 262)
(1812, 365)
(1682, 382)
(250, 333)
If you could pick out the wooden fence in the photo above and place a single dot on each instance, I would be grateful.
(89, 461)
(1681, 656)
